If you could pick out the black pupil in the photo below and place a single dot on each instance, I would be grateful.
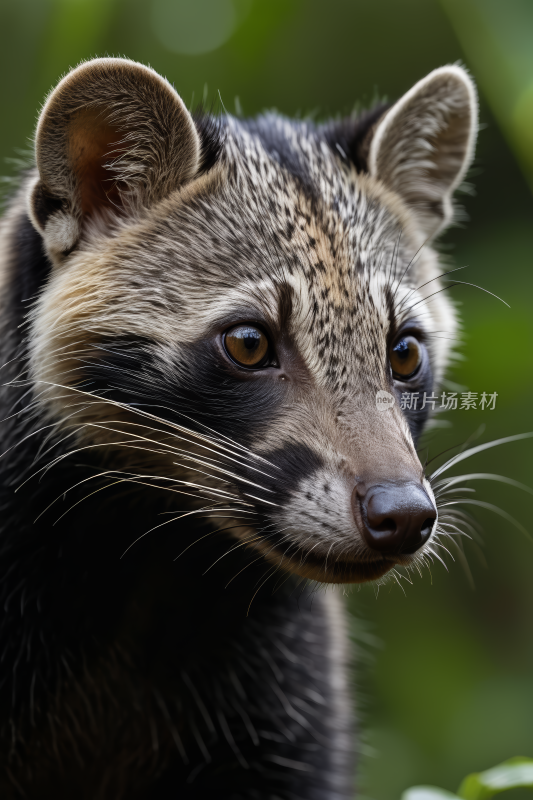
(402, 349)
(251, 339)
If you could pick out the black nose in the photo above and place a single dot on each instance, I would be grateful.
(398, 517)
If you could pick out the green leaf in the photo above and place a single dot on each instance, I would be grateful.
(511, 774)
(428, 793)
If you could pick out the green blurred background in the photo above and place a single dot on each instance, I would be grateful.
(446, 665)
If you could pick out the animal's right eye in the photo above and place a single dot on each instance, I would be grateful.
(247, 345)
(405, 357)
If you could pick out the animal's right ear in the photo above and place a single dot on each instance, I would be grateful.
(113, 137)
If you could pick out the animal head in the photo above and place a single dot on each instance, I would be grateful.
(231, 300)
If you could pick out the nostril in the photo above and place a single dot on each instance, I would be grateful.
(417, 538)
(388, 524)
(398, 517)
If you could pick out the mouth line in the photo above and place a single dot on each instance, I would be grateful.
(308, 565)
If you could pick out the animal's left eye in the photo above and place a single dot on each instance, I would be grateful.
(405, 357)
(247, 345)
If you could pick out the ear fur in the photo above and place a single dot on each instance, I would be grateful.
(424, 144)
(113, 137)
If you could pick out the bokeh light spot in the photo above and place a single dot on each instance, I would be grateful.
(195, 27)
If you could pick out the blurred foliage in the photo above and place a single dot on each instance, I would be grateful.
(515, 773)
(450, 689)
(497, 38)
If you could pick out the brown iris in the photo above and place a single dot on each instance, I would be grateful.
(405, 357)
(247, 345)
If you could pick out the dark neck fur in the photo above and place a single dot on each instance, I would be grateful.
(63, 582)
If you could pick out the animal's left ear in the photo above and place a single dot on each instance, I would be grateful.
(424, 144)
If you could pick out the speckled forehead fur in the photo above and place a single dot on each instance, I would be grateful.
(232, 240)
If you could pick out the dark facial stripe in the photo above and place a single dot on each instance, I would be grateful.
(200, 388)
(196, 390)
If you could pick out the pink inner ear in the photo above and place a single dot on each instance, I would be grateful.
(94, 142)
